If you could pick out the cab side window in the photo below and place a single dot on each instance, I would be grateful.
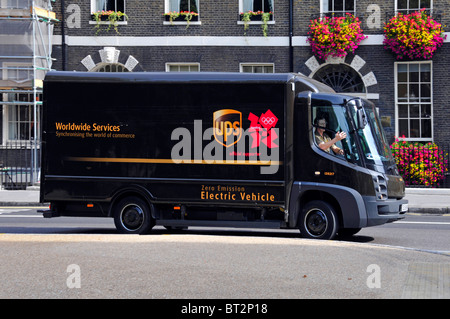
(333, 133)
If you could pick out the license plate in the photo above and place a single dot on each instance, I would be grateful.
(404, 208)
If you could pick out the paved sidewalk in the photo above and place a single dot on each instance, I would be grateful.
(29, 197)
(428, 200)
(421, 200)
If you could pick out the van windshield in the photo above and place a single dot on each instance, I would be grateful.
(377, 153)
(365, 147)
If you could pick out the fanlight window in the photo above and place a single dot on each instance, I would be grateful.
(342, 78)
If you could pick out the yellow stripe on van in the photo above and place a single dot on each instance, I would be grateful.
(170, 161)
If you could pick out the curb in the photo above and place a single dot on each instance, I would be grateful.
(429, 211)
(427, 191)
(25, 204)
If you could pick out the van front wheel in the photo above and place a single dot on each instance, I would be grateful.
(132, 215)
(318, 220)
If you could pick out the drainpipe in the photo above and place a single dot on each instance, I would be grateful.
(63, 35)
(291, 33)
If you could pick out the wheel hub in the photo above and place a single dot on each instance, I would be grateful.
(132, 217)
(316, 222)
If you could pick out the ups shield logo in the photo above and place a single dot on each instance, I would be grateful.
(227, 127)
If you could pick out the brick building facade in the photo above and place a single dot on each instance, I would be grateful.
(217, 41)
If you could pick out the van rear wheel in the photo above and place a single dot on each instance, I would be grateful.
(132, 215)
(318, 220)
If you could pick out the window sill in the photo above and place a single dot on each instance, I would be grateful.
(254, 22)
(182, 23)
(417, 139)
(107, 22)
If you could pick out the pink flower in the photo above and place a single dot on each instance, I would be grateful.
(408, 36)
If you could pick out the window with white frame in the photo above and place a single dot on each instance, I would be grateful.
(20, 117)
(14, 4)
(414, 101)
(182, 5)
(182, 12)
(257, 67)
(108, 5)
(182, 67)
(408, 6)
(338, 7)
(17, 71)
(256, 5)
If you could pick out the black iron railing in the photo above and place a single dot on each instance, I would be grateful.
(18, 162)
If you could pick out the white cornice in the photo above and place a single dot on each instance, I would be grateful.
(125, 41)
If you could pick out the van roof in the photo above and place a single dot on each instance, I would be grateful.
(307, 84)
(218, 77)
(190, 77)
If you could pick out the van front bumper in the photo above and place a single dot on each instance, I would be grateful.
(384, 211)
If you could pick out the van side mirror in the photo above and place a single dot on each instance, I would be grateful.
(361, 117)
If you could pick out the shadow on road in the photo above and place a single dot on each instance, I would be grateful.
(162, 231)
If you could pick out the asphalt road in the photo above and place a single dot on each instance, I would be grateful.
(417, 231)
(86, 258)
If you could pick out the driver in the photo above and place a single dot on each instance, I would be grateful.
(324, 142)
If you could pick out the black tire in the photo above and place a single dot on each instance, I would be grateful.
(318, 220)
(132, 215)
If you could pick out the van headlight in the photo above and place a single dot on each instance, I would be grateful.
(380, 185)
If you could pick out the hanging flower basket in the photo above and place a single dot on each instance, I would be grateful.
(112, 17)
(335, 36)
(413, 36)
(255, 16)
(264, 17)
(182, 16)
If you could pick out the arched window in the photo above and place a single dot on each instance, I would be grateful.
(110, 67)
(342, 78)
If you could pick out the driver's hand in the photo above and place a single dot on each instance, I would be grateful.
(341, 135)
